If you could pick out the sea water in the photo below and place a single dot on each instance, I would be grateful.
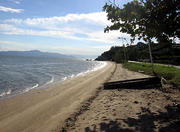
(20, 74)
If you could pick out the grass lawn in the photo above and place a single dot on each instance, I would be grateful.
(170, 73)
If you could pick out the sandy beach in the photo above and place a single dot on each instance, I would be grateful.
(81, 104)
(44, 110)
(129, 110)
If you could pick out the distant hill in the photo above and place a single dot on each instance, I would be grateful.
(34, 53)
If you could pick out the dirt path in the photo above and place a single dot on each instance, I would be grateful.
(130, 110)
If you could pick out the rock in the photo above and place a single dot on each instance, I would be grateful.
(136, 102)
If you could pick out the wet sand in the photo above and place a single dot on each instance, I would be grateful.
(45, 110)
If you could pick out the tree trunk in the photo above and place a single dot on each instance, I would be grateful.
(150, 54)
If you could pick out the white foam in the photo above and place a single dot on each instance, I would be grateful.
(2, 94)
(27, 89)
(64, 78)
(37, 85)
(8, 92)
(98, 66)
(72, 76)
(5, 93)
(80, 74)
(51, 81)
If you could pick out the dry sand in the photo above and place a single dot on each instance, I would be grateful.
(45, 110)
(129, 110)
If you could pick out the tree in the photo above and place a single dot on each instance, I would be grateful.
(146, 19)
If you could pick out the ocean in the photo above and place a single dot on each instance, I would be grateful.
(20, 74)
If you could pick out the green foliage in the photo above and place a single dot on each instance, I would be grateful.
(170, 73)
(114, 54)
(139, 67)
(162, 53)
(146, 19)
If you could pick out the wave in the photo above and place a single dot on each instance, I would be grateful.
(64, 78)
(51, 81)
(95, 68)
(99, 66)
(27, 89)
(68, 77)
(37, 85)
(5, 93)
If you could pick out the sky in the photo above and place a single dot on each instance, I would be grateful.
(61, 26)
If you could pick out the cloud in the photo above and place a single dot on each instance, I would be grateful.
(11, 10)
(88, 27)
(102, 47)
(12, 30)
(111, 37)
(15, 21)
(6, 28)
(15, 46)
(96, 18)
(97, 36)
(15, 1)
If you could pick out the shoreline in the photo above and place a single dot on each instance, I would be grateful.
(9, 94)
(33, 110)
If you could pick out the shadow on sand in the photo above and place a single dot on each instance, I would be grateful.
(147, 121)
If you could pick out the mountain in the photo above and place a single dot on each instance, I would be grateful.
(34, 53)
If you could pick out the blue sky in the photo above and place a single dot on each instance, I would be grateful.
(61, 26)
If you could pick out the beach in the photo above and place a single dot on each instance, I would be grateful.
(46, 109)
(129, 110)
(81, 104)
